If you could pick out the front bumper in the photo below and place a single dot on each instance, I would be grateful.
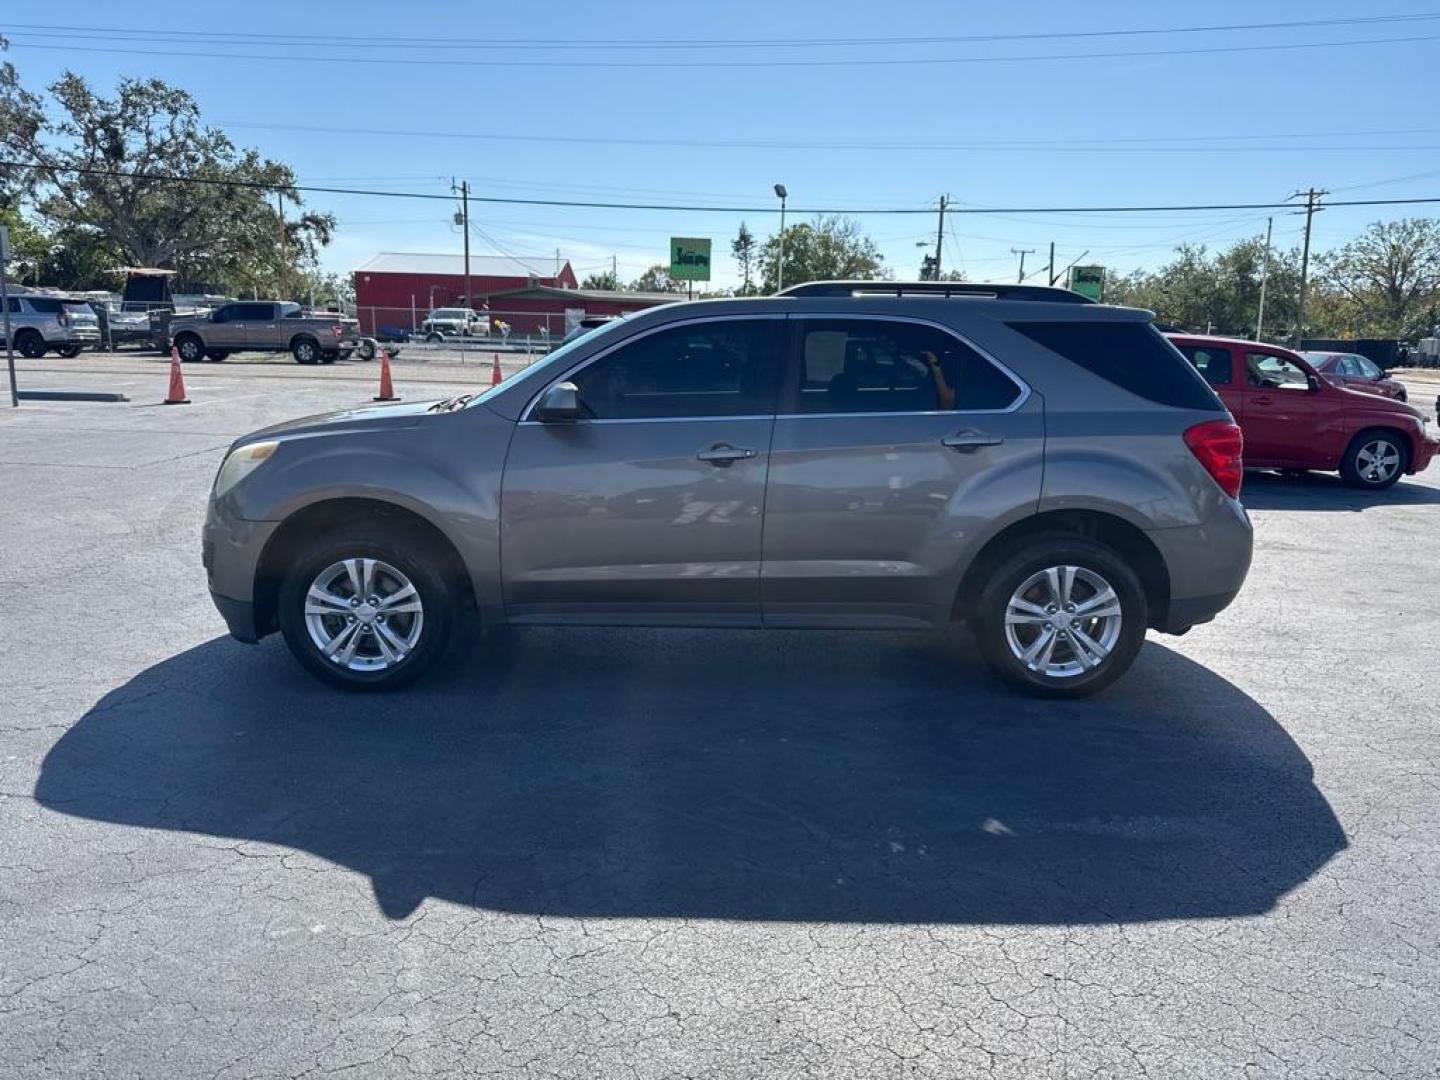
(239, 616)
(1426, 448)
(231, 549)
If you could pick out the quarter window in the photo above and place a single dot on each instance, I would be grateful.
(722, 368)
(880, 366)
(1214, 364)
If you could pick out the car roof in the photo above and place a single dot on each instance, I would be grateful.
(1220, 339)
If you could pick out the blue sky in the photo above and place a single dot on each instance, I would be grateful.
(1249, 126)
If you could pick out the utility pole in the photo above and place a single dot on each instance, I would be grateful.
(280, 206)
(939, 238)
(465, 228)
(614, 273)
(1050, 273)
(1022, 252)
(1312, 198)
(1264, 279)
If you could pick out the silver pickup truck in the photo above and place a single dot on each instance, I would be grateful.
(265, 326)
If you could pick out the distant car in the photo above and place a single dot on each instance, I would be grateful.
(265, 326)
(118, 326)
(42, 324)
(1356, 372)
(1293, 419)
(454, 322)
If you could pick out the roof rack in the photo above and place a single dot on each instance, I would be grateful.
(947, 289)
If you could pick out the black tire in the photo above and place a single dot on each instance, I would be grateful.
(412, 555)
(367, 350)
(1098, 562)
(215, 355)
(329, 357)
(69, 352)
(305, 350)
(1357, 466)
(30, 344)
(190, 348)
(434, 337)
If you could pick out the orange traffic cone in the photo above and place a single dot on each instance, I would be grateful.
(495, 377)
(176, 394)
(387, 389)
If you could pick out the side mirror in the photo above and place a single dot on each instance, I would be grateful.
(559, 405)
(1313, 381)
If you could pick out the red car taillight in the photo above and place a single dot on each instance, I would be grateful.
(1217, 445)
(338, 330)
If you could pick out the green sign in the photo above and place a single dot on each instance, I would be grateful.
(689, 259)
(1088, 281)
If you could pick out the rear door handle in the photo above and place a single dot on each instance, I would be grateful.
(723, 454)
(968, 441)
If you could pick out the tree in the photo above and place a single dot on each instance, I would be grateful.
(100, 185)
(605, 282)
(1386, 282)
(743, 248)
(927, 271)
(824, 249)
(657, 279)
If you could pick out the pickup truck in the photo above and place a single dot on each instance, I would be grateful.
(265, 326)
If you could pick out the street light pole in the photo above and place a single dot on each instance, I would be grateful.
(780, 270)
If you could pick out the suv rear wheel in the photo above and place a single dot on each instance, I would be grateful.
(1375, 459)
(366, 608)
(1063, 616)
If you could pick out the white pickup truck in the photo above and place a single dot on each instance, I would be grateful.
(265, 326)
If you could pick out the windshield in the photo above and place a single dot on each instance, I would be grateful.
(561, 355)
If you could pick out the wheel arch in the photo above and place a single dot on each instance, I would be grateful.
(1127, 539)
(303, 335)
(318, 518)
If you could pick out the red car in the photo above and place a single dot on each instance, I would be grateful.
(1294, 419)
(1356, 372)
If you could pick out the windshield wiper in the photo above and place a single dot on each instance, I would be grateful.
(452, 403)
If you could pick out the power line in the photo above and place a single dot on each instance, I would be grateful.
(855, 211)
(1210, 50)
(590, 44)
(1140, 144)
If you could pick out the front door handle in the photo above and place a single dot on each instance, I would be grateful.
(968, 441)
(723, 454)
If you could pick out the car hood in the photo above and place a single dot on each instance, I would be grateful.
(360, 418)
(1358, 400)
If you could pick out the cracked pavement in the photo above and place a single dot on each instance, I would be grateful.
(693, 853)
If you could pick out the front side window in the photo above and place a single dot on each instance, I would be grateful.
(1212, 363)
(1365, 367)
(228, 313)
(721, 368)
(1267, 371)
(884, 366)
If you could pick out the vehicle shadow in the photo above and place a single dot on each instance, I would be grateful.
(1324, 491)
(863, 777)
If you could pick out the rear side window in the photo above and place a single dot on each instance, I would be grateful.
(887, 366)
(1213, 364)
(1134, 356)
(45, 305)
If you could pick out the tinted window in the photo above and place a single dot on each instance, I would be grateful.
(46, 305)
(228, 313)
(1131, 355)
(725, 368)
(1271, 372)
(1213, 364)
(879, 366)
(255, 312)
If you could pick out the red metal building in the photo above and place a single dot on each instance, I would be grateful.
(534, 308)
(398, 289)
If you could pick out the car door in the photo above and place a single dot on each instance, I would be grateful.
(1285, 418)
(895, 443)
(262, 326)
(649, 508)
(228, 328)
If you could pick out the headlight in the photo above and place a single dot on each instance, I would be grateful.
(241, 463)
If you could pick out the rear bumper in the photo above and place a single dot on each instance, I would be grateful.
(1206, 564)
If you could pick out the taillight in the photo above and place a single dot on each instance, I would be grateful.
(337, 330)
(1217, 444)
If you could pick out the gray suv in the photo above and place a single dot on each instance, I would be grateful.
(845, 454)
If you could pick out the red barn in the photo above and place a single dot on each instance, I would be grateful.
(397, 289)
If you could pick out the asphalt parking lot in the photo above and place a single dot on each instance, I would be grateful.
(692, 853)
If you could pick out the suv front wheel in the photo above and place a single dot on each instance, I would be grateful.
(1063, 616)
(366, 609)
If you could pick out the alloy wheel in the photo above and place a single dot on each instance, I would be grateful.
(364, 615)
(1377, 461)
(1063, 621)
